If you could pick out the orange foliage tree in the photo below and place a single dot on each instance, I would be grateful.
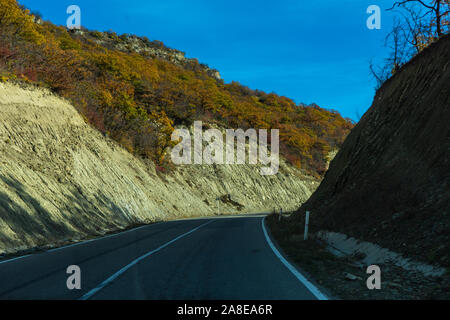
(137, 99)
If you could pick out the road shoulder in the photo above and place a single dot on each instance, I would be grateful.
(344, 277)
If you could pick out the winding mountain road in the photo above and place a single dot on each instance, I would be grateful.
(224, 258)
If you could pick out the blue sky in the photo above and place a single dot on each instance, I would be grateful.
(310, 51)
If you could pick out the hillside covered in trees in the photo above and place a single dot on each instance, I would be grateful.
(136, 91)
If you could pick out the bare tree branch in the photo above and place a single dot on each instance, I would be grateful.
(439, 9)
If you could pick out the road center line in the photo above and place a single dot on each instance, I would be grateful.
(134, 262)
(312, 288)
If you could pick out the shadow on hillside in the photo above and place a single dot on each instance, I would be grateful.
(79, 216)
(38, 225)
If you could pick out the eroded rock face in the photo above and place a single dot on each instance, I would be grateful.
(390, 182)
(61, 179)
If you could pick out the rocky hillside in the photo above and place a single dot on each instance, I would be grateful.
(136, 91)
(390, 182)
(62, 179)
(85, 142)
(142, 45)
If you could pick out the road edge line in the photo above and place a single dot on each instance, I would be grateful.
(80, 242)
(106, 282)
(312, 288)
(14, 259)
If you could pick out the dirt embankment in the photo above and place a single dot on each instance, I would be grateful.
(390, 182)
(342, 276)
(60, 179)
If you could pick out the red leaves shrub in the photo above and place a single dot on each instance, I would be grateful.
(161, 169)
(96, 119)
(5, 52)
(30, 74)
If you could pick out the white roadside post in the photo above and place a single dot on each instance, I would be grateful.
(305, 237)
(218, 206)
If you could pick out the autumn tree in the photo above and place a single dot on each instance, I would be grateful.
(17, 23)
(137, 99)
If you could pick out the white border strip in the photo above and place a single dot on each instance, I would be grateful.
(78, 243)
(134, 262)
(14, 259)
(313, 289)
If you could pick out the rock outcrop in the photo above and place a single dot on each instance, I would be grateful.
(142, 45)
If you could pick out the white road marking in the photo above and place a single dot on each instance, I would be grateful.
(134, 229)
(10, 260)
(134, 262)
(313, 289)
(79, 243)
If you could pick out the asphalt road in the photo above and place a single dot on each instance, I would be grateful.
(201, 259)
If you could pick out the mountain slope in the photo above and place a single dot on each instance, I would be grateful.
(390, 182)
(98, 160)
(136, 90)
(61, 179)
